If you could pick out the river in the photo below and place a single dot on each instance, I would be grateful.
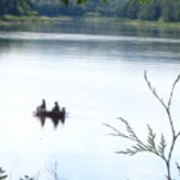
(95, 70)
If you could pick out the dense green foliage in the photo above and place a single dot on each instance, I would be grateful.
(16, 7)
(154, 10)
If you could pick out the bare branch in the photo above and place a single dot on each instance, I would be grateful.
(178, 134)
(153, 90)
(172, 90)
(167, 107)
(52, 173)
(118, 133)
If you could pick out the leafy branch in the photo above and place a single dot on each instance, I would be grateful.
(151, 146)
(2, 175)
(140, 146)
(26, 177)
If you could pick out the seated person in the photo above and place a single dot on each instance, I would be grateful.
(42, 106)
(56, 107)
(63, 110)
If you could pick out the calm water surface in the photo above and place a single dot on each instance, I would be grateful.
(96, 71)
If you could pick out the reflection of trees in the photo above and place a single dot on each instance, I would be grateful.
(6, 45)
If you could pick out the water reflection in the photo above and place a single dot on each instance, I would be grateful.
(54, 116)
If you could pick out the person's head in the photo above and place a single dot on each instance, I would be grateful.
(56, 103)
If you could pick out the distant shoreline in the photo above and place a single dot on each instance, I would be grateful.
(140, 23)
(157, 24)
(11, 20)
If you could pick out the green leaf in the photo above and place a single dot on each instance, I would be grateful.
(66, 2)
(151, 140)
(81, 2)
(143, 1)
(3, 177)
(162, 145)
(26, 177)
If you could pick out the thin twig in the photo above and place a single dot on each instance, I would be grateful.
(153, 90)
(172, 90)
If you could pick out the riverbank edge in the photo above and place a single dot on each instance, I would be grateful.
(138, 23)
(10, 20)
(156, 24)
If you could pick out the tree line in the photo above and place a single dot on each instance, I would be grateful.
(153, 10)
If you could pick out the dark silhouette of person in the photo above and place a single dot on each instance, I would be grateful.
(56, 107)
(43, 105)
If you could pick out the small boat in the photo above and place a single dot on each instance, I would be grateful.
(55, 116)
(51, 114)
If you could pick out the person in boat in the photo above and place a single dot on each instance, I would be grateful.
(56, 107)
(42, 106)
(63, 110)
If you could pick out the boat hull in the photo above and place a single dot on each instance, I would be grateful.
(51, 114)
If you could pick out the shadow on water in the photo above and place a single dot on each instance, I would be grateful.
(55, 117)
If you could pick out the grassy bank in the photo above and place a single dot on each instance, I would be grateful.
(9, 19)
